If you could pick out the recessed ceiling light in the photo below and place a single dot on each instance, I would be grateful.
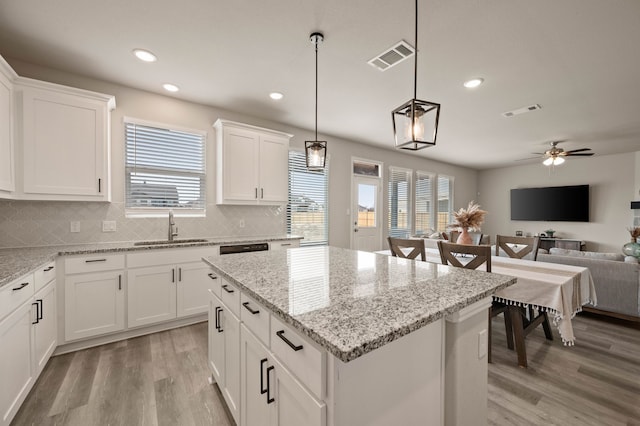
(276, 96)
(170, 87)
(474, 82)
(144, 55)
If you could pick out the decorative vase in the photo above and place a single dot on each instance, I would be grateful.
(464, 237)
(631, 249)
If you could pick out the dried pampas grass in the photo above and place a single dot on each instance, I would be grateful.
(470, 218)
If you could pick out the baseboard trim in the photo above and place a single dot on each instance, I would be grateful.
(127, 334)
(616, 315)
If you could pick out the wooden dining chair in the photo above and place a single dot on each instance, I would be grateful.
(417, 245)
(482, 255)
(476, 237)
(529, 245)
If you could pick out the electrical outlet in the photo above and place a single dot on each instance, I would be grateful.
(108, 226)
(241, 223)
(74, 226)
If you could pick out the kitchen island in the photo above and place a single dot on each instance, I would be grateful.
(368, 339)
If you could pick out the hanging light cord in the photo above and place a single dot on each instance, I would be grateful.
(316, 43)
(415, 62)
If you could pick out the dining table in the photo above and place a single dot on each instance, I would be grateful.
(558, 290)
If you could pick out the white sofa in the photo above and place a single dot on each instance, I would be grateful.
(616, 279)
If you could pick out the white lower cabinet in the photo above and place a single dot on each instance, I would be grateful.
(192, 288)
(151, 295)
(94, 304)
(259, 389)
(16, 363)
(270, 395)
(45, 325)
(224, 353)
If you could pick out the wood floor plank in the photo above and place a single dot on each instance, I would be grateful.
(76, 387)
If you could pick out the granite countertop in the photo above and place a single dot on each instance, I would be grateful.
(352, 302)
(15, 262)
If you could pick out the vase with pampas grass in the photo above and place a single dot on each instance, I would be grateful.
(466, 220)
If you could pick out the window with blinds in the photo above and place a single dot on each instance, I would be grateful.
(308, 207)
(424, 203)
(165, 169)
(445, 202)
(399, 202)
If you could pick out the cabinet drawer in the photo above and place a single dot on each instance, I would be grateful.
(15, 294)
(286, 244)
(255, 317)
(98, 262)
(230, 295)
(44, 274)
(167, 257)
(300, 356)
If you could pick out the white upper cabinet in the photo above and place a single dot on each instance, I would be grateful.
(7, 172)
(252, 164)
(65, 135)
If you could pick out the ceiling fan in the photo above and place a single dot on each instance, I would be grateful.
(555, 155)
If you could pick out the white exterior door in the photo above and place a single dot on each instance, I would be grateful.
(365, 214)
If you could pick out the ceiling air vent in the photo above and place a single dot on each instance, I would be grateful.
(522, 110)
(392, 56)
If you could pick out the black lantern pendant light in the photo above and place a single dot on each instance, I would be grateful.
(315, 150)
(415, 123)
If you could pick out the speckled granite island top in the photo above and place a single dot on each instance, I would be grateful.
(15, 262)
(352, 302)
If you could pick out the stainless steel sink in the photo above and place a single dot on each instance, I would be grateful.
(167, 242)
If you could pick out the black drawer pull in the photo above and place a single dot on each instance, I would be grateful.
(218, 321)
(285, 244)
(95, 260)
(48, 269)
(213, 277)
(263, 390)
(37, 313)
(288, 342)
(226, 288)
(39, 301)
(269, 399)
(253, 311)
(23, 285)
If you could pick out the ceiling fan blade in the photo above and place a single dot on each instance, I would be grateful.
(577, 150)
(589, 154)
(526, 159)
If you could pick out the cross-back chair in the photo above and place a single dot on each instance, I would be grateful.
(529, 245)
(417, 245)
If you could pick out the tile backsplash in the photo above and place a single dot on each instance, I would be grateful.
(44, 223)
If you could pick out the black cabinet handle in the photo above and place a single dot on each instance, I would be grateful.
(119, 282)
(261, 192)
(256, 193)
(269, 399)
(95, 260)
(218, 322)
(39, 301)
(253, 311)
(288, 342)
(213, 277)
(37, 313)
(99, 185)
(263, 390)
(179, 274)
(226, 288)
(48, 269)
(23, 285)
(173, 275)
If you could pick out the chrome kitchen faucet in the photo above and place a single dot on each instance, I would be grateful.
(173, 229)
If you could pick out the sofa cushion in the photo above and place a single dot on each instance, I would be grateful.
(589, 254)
(631, 259)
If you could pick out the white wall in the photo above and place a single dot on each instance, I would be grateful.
(47, 223)
(613, 185)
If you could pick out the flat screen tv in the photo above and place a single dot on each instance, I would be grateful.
(554, 203)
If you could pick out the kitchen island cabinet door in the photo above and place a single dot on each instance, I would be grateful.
(94, 304)
(224, 353)
(17, 372)
(151, 294)
(254, 361)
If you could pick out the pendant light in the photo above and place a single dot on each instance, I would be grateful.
(415, 123)
(315, 150)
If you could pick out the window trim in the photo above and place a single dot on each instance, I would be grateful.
(410, 199)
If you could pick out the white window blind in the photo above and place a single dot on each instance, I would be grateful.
(445, 202)
(424, 203)
(308, 207)
(165, 168)
(399, 203)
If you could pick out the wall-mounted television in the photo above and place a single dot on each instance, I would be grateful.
(553, 203)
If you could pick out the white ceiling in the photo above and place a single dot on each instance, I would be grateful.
(578, 59)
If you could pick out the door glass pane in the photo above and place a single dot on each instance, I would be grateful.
(366, 205)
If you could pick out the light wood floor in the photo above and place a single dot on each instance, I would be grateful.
(161, 379)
